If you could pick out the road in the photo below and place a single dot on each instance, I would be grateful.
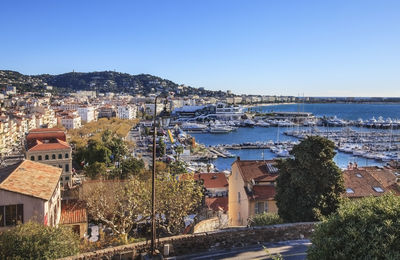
(289, 250)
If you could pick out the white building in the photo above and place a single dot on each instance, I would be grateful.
(87, 113)
(127, 112)
(71, 121)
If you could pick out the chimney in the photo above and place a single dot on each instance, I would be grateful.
(238, 158)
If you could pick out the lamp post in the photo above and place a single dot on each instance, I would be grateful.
(165, 119)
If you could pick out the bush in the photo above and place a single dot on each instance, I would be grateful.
(361, 229)
(35, 241)
(265, 219)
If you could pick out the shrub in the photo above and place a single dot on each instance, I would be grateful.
(35, 241)
(265, 219)
(361, 229)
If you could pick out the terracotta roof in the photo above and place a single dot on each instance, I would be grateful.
(217, 203)
(73, 212)
(57, 145)
(367, 181)
(212, 180)
(45, 134)
(32, 179)
(263, 192)
(257, 170)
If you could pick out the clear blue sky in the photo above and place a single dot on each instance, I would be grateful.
(319, 48)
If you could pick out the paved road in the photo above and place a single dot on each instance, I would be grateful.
(290, 250)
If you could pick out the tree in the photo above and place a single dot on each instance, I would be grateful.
(118, 204)
(36, 241)
(366, 228)
(97, 152)
(131, 167)
(96, 170)
(161, 147)
(309, 186)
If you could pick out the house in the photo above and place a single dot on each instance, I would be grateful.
(216, 190)
(366, 181)
(49, 146)
(29, 191)
(74, 215)
(251, 190)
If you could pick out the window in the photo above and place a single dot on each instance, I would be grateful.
(39, 158)
(67, 167)
(10, 215)
(67, 178)
(46, 157)
(239, 197)
(59, 156)
(32, 158)
(66, 156)
(261, 207)
(53, 157)
(349, 190)
(378, 189)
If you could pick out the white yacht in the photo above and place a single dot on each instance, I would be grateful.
(193, 127)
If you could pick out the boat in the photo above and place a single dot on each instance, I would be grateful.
(221, 129)
(193, 127)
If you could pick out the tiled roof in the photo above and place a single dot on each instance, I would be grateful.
(217, 203)
(45, 134)
(361, 182)
(212, 180)
(31, 178)
(257, 170)
(73, 212)
(57, 145)
(263, 192)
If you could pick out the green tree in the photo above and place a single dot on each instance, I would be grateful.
(161, 146)
(366, 228)
(309, 186)
(179, 151)
(97, 152)
(177, 167)
(265, 219)
(131, 167)
(35, 241)
(96, 170)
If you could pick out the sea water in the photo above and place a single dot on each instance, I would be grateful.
(264, 134)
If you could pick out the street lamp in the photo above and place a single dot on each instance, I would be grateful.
(164, 122)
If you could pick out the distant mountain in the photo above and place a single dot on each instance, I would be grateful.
(102, 81)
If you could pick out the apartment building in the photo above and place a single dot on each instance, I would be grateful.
(29, 191)
(87, 113)
(49, 146)
(126, 112)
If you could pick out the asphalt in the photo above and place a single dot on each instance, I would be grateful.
(289, 250)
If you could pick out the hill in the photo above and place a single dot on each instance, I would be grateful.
(102, 81)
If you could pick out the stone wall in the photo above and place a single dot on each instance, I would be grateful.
(200, 242)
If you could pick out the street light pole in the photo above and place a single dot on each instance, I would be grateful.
(153, 183)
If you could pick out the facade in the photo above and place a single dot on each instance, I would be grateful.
(126, 112)
(71, 121)
(251, 190)
(87, 113)
(74, 215)
(29, 191)
(49, 146)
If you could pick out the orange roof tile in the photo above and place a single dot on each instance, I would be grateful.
(212, 180)
(31, 178)
(73, 212)
(263, 192)
(257, 170)
(58, 145)
(217, 203)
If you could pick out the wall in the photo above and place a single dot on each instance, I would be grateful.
(217, 240)
(33, 207)
(236, 184)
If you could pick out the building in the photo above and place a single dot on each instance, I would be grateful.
(251, 190)
(74, 215)
(71, 121)
(216, 190)
(49, 146)
(29, 191)
(126, 112)
(370, 181)
(87, 113)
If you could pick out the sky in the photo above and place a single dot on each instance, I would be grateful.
(269, 47)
